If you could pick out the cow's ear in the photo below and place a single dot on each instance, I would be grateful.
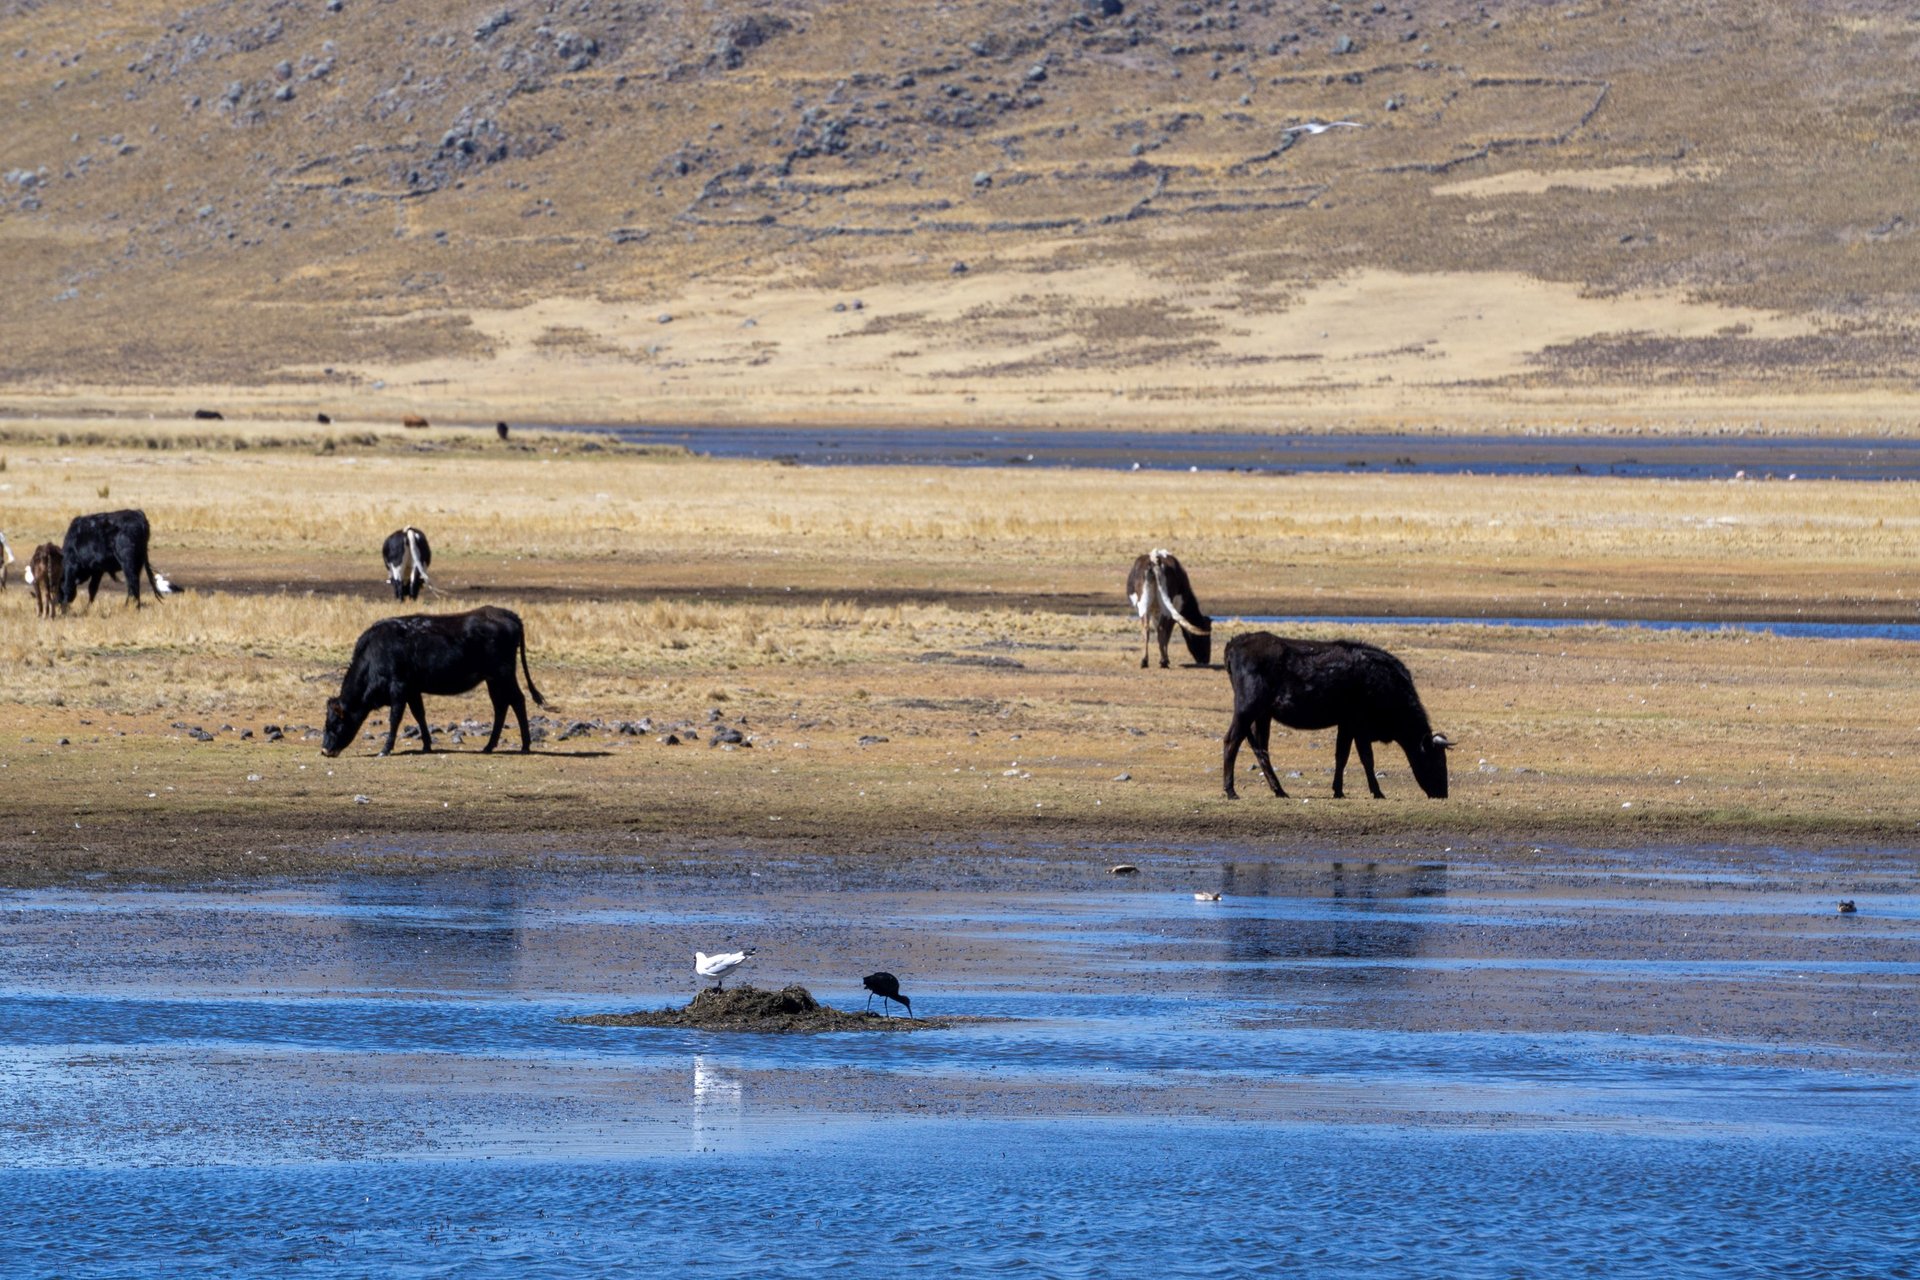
(1442, 741)
(333, 706)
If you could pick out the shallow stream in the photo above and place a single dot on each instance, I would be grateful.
(1339, 1069)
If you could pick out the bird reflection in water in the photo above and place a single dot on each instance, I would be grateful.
(716, 1104)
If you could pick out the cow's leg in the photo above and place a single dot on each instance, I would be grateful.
(1343, 744)
(395, 714)
(1166, 634)
(93, 586)
(1261, 731)
(1230, 751)
(520, 714)
(419, 706)
(1146, 641)
(1366, 762)
(501, 699)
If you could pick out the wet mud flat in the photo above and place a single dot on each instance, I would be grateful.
(788, 1011)
(1685, 1063)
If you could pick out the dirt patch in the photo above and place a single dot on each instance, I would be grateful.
(788, 1011)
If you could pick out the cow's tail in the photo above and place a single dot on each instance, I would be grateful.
(1195, 624)
(538, 701)
(413, 554)
(6, 548)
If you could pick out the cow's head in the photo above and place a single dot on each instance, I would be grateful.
(341, 726)
(1200, 643)
(1428, 756)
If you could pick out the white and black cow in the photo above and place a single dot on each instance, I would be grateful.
(399, 660)
(1163, 597)
(1361, 691)
(407, 555)
(108, 544)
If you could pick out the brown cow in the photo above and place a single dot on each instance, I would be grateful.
(43, 575)
(413, 420)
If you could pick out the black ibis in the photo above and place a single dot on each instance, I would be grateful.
(887, 987)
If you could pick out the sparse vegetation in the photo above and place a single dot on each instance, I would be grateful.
(795, 603)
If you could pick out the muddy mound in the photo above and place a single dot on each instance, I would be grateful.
(788, 1010)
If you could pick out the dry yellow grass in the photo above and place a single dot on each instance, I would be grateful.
(803, 605)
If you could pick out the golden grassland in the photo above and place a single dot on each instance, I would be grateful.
(814, 608)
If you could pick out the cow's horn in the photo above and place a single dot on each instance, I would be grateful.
(1442, 740)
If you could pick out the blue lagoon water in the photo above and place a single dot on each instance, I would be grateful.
(368, 1077)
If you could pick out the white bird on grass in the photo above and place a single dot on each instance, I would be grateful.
(1321, 126)
(718, 967)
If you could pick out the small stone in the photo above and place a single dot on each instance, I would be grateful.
(1123, 869)
(363, 799)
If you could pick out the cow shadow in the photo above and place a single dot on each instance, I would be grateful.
(508, 754)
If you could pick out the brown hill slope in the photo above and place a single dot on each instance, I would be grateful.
(960, 210)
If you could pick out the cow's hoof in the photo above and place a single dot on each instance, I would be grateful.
(1233, 795)
(385, 751)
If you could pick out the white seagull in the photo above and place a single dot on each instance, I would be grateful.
(1321, 126)
(718, 967)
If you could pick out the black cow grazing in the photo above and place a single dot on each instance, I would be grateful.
(407, 555)
(1161, 593)
(399, 660)
(43, 575)
(500, 429)
(209, 415)
(887, 987)
(1360, 690)
(108, 543)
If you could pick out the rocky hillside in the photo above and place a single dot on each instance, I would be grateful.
(252, 192)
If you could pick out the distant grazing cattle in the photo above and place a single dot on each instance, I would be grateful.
(500, 429)
(399, 660)
(6, 558)
(407, 555)
(1362, 692)
(413, 420)
(110, 543)
(1162, 595)
(209, 415)
(322, 419)
(43, 575)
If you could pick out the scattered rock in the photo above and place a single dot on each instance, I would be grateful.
(1123, 777)
(363, 799)
(671, 740)
(871, 739)
(971, 659)
(1123, 869)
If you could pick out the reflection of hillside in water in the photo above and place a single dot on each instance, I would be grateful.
(1349, 932)
(464, 930)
